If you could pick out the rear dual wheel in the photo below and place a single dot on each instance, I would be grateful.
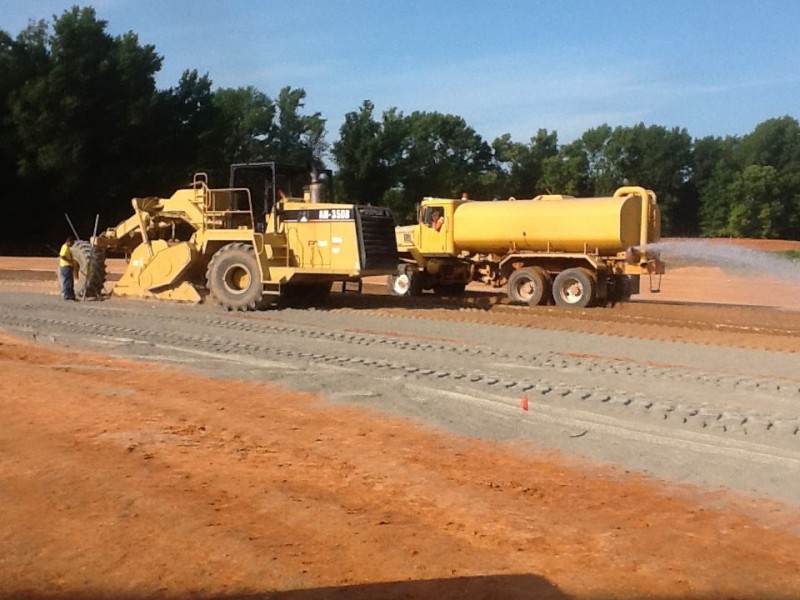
(575, 288)
(529, 285)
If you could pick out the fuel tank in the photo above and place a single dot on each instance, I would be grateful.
(556, 224)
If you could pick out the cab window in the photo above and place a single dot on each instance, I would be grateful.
(432, 216)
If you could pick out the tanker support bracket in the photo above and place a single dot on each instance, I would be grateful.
(655, 283)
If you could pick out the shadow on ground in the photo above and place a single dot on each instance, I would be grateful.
(457, 588)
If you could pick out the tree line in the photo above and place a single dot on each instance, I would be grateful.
(84, 127)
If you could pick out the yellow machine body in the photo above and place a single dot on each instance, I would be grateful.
(602, 225)
(543, 224)
(311, 239)
(155, 276)
(175, 246)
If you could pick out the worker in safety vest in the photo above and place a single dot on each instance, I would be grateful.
(66, 269)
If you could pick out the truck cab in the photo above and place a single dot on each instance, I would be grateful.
(427, 250)
(433, 234)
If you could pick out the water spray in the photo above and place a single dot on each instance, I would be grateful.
(730, 257)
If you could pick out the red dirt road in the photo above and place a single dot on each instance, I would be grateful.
(121, 479)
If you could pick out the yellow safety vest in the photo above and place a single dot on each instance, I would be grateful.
(65, 256)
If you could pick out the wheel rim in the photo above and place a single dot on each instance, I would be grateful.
(401, 284)
(572, 291)
(526, 289)
(237, 279)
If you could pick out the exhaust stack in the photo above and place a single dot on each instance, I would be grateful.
(315, 189)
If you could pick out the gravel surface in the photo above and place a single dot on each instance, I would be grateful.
(703, 414)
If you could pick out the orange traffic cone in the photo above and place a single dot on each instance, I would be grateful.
(523, 404)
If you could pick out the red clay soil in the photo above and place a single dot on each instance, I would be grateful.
(121, 479)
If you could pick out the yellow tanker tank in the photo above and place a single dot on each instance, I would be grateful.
(553, 224)
(574, 252)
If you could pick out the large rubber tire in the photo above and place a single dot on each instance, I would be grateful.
(406, 282)
(529, 285)
(574, 288)
(91, 275)
(234, 278)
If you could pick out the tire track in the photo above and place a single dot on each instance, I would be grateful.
(418, 360)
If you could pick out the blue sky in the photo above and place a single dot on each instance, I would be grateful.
(714, 67)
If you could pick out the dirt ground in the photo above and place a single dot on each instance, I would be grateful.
(132, 480)
(111, 487)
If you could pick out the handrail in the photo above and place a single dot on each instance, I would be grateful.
(209, 195)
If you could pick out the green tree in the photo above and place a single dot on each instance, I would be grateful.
(442, 156)
(75, 119)
(76, 100)
(715, 165)
(245, 125)
(83, 127)
(774, 143)
(295, 138)
(660, 159)
(401, 159)
(601, 177)
(246, 120)
(368, 153)
(566, 172)
(754, 184)
(179, 137)
(21, 59)
(756, 206)
(523, 165)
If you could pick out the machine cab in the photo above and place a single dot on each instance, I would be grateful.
(433, 233)
(271, 183)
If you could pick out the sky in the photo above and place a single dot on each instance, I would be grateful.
(713, 67)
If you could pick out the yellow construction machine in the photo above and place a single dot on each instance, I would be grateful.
(573, 252)
(293, 246)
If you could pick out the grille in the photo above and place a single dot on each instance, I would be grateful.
(376, 241)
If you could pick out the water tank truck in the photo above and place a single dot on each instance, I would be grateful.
(574, 252)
